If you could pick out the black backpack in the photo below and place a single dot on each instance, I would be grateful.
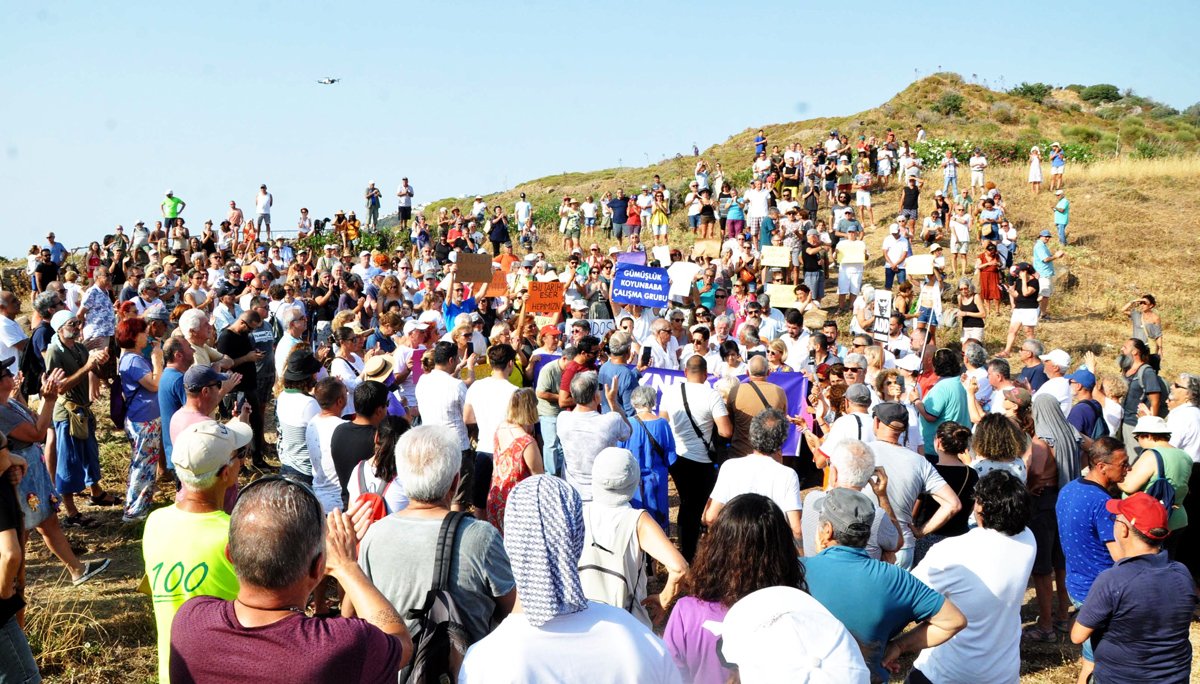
(440, 641)
(1100, 427)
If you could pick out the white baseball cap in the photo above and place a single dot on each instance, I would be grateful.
(205, 447)
(1057, 357)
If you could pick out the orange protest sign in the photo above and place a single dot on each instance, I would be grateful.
(545, 298)
(499, 285)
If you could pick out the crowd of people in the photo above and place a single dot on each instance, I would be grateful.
(471, 490)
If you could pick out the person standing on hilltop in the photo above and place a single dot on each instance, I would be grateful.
(760, 143)
(404, 195)
(1035, 169)
(262, 207)
(373, 196)
(977, 162)
(1058, 162)
(172, 207)
(920, 133)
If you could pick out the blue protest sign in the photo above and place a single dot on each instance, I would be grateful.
(640, 285)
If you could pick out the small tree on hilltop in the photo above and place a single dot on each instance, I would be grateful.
(1101, 92)
(1031, 91)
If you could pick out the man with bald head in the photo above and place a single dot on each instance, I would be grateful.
(749, 399)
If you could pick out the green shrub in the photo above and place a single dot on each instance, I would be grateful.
(1031, 91)
(1004, 113)
(1075, 88)
(1162, 111)
(1033, 120)
(1085, 134)
(1185, 136)
(1110, 113)
(1101, 92)
(949, 104)
(1149, 150)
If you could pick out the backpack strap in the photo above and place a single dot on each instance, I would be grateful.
(444, 555)
(688, 410)
(653, 442)
(1158, 460)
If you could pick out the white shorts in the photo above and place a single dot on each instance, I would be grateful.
(972, 334)
(1025, 317)
(862, 198)
(976, 178)
(957, 247)
(1045, 287)
(1056, 170)
(850, 279)
(660, 229)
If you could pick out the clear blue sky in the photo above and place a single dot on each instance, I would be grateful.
(106, 105)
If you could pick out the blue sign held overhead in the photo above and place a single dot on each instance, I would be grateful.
(640, 285)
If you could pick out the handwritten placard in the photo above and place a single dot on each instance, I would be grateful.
(545, 298)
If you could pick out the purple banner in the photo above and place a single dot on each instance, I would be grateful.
(794, 385)
(638, 258)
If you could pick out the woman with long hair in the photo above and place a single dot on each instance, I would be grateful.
(377, 475)
(294, 408)
(749, 547)
(516, 453)
(143, 425)
(988, 266)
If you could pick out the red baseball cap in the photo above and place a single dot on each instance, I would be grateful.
(1142, 511)
(550, 330)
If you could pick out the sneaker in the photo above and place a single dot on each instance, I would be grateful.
(91, 569)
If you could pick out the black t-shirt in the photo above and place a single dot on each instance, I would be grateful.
(350, 445)
(962, 479)
(911, 195)
(620, 209)
(235, 345)
(10, 519)
(47, 273)
(442, 251)
(1025, 301)
(324, 312)
(812, 262)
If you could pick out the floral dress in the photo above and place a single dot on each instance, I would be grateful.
(508, 468)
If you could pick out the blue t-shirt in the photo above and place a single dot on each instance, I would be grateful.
(58, 252)
(735, 211)
(1085, 528)
(947, 400)
(1062, 212)
(620, 208)
(1036, 375)
(760, 144)
(627, 379)
(1058, 159)
(1041, 252)
(141, 405)
(873, 599)
(1141, 611)
(450, 311)
(378, 339)
(171, 397)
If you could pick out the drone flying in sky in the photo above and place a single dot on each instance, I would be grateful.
(328, 81)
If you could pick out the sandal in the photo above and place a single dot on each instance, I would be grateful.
(79, 520)
(1038, 635)
(91, 569)
(107, 500)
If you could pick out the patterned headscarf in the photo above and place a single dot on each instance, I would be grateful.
(543, 535)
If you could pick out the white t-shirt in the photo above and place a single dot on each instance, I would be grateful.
(1184, 422)
(588, 209)
(756, 203)
(440, 398)
(394, 498)
(347, 372)
(706, 405)
(262, 203)
(896, 248)
(758, 474)
(984, 572)
(858, 426)
(600, 645)
(977, 162)
(1060, 389)
(326, 485)
(489, 399)
(11, 334)
(693, 203)
(522, 211)
(960, 228)
(667, 358)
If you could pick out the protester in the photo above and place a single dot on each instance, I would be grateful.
(653, 445)
(208, 460)
(517, 455)
(873, 599)
(143, 424)
(281, 547)
(585, 432)
(378, 475)
(620, 539)
(852, 465)
(554, 632)
(1138, 613)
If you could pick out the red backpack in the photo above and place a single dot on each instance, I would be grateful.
(369, 499)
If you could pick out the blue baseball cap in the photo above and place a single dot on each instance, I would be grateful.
(1044, 233)
(198, 377)
(1084, 377)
